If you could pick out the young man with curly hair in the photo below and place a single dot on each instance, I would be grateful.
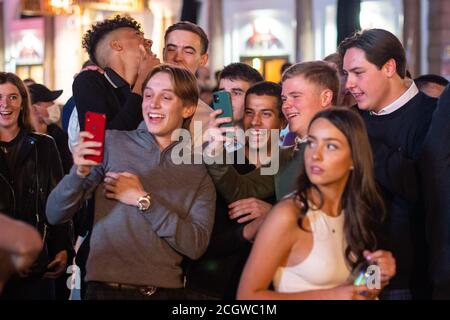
(118, 46)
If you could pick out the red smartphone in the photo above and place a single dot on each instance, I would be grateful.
(95, 123)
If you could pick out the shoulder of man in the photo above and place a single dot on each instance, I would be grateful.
(88, 76)
(423, 107)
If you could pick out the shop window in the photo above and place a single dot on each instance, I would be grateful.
(269, 67)
(35, 72)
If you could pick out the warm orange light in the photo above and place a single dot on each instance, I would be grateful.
(57, 7)
(61, 4)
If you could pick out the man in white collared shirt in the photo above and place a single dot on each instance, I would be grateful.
(397, 117)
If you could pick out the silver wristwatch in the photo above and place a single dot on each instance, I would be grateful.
(144, 202)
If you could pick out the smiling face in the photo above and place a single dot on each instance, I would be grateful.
(10, 106)
(368, 84)
(183, 48)
(301, 101)
(328, 157)
(260, 117)
(162, 109)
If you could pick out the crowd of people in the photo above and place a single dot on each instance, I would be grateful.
(189, 204)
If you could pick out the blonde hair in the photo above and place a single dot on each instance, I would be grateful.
(320, 73)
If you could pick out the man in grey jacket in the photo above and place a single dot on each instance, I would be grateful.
(150, 212)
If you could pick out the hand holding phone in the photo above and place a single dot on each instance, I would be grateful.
(95, 124)
(222, 101)
(89, 150)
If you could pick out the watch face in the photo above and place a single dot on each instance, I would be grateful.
(144, 203)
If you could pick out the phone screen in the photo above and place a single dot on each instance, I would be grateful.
(95, 123)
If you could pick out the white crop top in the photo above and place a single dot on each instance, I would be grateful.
(325, 267)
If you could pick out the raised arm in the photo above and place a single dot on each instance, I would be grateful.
(233, 186)
(67, 197)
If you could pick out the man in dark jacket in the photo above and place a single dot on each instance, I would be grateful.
(435, 173)
(397, 117)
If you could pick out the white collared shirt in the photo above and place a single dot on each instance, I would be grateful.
(400, 102)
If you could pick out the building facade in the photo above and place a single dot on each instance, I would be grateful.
(43, 42)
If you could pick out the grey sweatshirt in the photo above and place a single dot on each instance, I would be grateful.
(128, 246)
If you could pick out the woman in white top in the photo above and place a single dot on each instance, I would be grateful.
(312, 240)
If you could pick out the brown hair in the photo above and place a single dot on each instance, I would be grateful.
(191, 27)
(379, 46)
(24, 115)
(363, 206)
(183, 81)
(319, 73)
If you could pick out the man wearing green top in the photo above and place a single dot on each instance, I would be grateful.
(307, 88)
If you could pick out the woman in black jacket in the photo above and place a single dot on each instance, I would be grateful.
(30, 167)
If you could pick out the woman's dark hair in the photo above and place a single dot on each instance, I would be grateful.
(362, 204)
(24, 115)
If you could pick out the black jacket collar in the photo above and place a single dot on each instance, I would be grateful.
(114, 79)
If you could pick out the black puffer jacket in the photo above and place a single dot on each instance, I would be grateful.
(23, 193)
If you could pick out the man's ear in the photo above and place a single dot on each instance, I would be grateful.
(326, 98)
(204, 60)
(188, 111)
(115, 45)
(390, 68)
